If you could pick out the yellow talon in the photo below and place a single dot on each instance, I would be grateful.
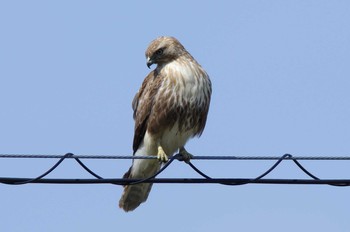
(162, 157)
(185, 154)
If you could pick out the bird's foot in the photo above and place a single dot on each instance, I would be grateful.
(186, 156)
(162, 157)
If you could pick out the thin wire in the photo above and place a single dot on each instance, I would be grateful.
(157, 173)
(37, 156)
(315, 177)
(227, 181)
(87, 169)
(179, 157)
(286, 156)
(68, 155)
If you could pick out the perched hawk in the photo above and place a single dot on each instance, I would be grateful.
(170, 107)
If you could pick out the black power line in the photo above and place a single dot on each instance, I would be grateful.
(152, 179)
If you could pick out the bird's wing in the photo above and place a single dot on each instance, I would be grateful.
(142, 105)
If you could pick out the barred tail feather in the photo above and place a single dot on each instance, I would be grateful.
(134, 195)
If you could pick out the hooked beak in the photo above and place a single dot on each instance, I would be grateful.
(149, 62)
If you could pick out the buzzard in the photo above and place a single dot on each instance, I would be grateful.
(170, 107)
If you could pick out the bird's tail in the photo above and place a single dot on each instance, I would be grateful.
(134, 195)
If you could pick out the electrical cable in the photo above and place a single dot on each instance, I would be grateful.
(152, 179)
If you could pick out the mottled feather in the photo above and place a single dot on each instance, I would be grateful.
(170, 107)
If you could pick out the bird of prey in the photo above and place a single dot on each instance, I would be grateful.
(170, 107)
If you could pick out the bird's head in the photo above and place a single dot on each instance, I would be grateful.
(163, 50)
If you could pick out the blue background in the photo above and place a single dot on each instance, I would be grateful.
(281, 77)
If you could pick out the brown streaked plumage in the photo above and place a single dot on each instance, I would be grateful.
(170, 107)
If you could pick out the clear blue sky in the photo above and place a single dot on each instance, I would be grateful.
(281, 78)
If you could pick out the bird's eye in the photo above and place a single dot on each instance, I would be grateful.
(159, 51)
